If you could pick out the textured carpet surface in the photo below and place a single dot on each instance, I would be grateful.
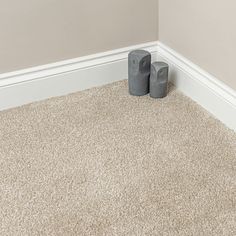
(101, 162)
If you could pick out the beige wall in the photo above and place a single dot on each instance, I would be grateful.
(204, 31)
(36, 32)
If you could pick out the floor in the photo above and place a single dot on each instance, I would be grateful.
(101, 162)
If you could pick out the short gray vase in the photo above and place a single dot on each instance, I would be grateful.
(139, 63)
(159, 80)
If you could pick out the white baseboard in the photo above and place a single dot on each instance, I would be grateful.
(42, 82)
(205, 89)
(38, 83)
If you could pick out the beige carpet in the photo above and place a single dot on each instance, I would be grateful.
(101, 162)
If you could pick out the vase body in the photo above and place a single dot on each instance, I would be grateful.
(139, 67)
(159, 80)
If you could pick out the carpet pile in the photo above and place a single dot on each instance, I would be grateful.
(101, 162)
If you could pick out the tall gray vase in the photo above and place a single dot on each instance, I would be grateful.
(159, 80)
(139, 72)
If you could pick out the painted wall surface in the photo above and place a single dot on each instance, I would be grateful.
(204, 31)
(37, 32)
